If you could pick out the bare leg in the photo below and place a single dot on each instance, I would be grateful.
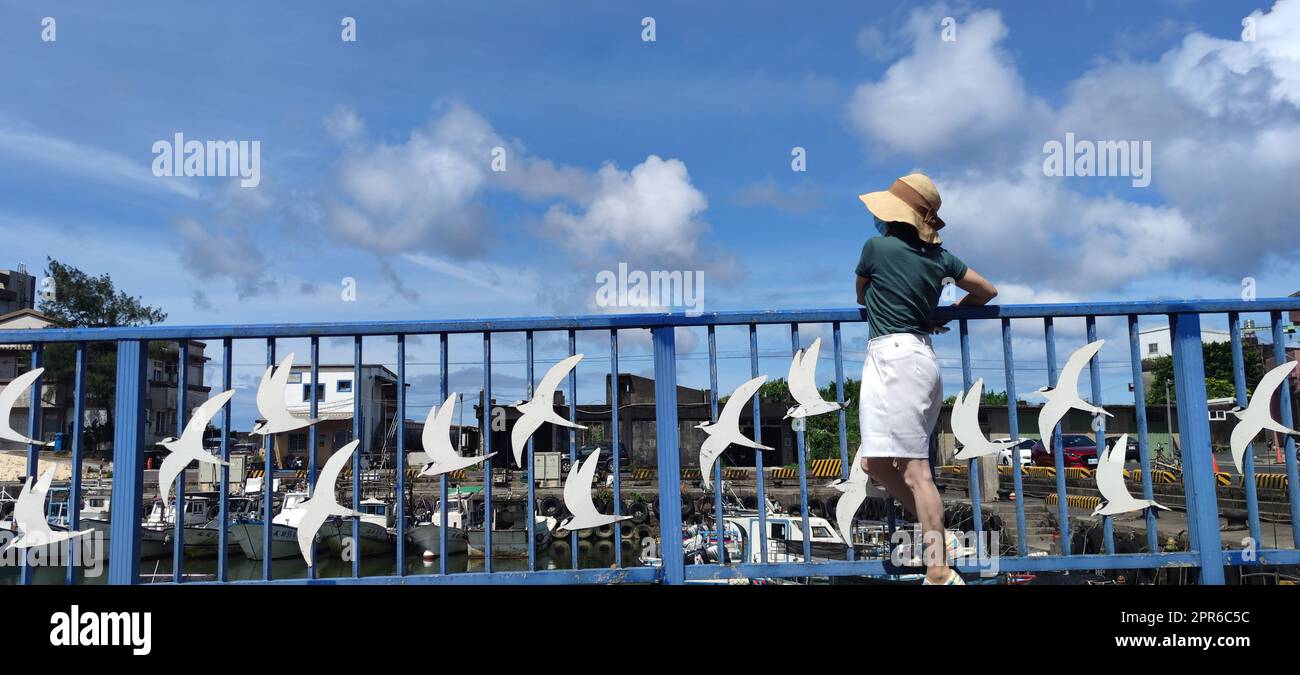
(929, 511)
(882, 469)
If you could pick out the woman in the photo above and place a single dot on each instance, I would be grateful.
(900, 277)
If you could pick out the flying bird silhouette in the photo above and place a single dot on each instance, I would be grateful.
(853, 491)
(8, 397)
(1257, 416)
(1110, 482)
(726, 430)
(541, 409)
(1065, 395)
(323, 504)
(437, 442)
(189, 447)
(270, 401)
(803, 385)
(30, 518)
(966, 425)
(577, 497)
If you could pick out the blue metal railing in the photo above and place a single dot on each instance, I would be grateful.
(1205, 550)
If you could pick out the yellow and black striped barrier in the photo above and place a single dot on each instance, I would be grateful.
(735, 474)
(826, 468)
(644, 474)
(690, 474)
(254, 473)
(1273, 481)
(1223, 478)
(1007, 469)
(952, 469)
(1074, 501)
(782, 472)
(1158, 476)
(1078, 472)
(1041, 471)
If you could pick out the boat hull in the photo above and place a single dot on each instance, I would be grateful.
(426, 539)
(506, 543)
(375, 539)
(248, 535)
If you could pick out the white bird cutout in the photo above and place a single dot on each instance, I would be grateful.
(853, 491)
(29, 515)
(8, 397)
(726, 430)
(541, 409)
(1110, 482)
(1257, 416)
(577, 497)
(189, 447)
(323, 504)
(1065, 395)
(803, 385)
(437, 442)
(965, 422)
(270, 401)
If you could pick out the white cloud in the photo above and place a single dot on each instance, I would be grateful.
(213, 252)
(92, 163)
(344, 125)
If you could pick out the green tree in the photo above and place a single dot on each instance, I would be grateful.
(990, 398)
(1218, 372)
(84, 301)
(821, 432)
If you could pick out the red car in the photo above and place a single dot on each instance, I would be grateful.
(1077, 450)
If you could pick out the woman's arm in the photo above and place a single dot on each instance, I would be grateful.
(862, 290)
(978, 289)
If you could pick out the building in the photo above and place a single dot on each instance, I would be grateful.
(335, 392)
(17, 290)
(164, 388)
(16, 359)
(1155, 343)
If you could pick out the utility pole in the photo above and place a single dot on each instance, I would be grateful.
(1169, 420)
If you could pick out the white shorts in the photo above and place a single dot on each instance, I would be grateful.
(900, 398)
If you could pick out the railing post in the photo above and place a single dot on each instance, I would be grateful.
(669, 460)
(1194, 433)
(128, 471)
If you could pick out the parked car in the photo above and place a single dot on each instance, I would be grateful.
(1131, 453)
(606, 462)
(1076, 449)
(1026, 447)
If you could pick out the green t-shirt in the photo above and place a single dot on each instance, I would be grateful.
(906, 277)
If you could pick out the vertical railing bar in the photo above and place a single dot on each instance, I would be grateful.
(178, 511)
(486, 413)
(973, 465)
(1287, 420)
(1194, 431)
(128, 470)
(442, 479)
(33, 451)
(1144, 451)
(758, 440)
(613, 409)
(668, 455)
(77, 440)
(719, 521)
(800, 452)
(401, 455)
(223, 500)
(1013, 422)
(1099, 428)
(532, 467)
(268, 482)
(358, 433)
(842, 413)
(1248, 461)
(312, 437)
(1058, 459)
(573, 433)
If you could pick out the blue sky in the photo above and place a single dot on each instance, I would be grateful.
(668, 155)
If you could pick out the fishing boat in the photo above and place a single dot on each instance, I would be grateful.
(375, 529)
(509, 530)
(248, 532)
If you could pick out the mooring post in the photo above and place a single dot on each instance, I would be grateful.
(666, 440)
(1194, 432)
(128, 471)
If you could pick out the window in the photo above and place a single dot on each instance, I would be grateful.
(1153, 348)
(298, 441)
(344, 387)
(341, 438)
(295, 377)
(306, 392)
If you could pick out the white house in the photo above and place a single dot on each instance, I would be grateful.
(1155, 342)
(335, 390)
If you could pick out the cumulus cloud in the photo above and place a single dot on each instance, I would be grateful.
(1222, 117)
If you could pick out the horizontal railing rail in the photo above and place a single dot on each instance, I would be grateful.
(1205, 551)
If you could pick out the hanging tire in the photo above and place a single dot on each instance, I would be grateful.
(585, 534)
(560, 549)
(794, 509)
(816, 507)
(604, 532)
(643, 532)
(639, 512)
(550, 506)
(688, 508)
(749, 501)
(832, 502)
(626, 529)
(605, 548)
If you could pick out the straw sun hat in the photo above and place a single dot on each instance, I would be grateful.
(912, 199)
